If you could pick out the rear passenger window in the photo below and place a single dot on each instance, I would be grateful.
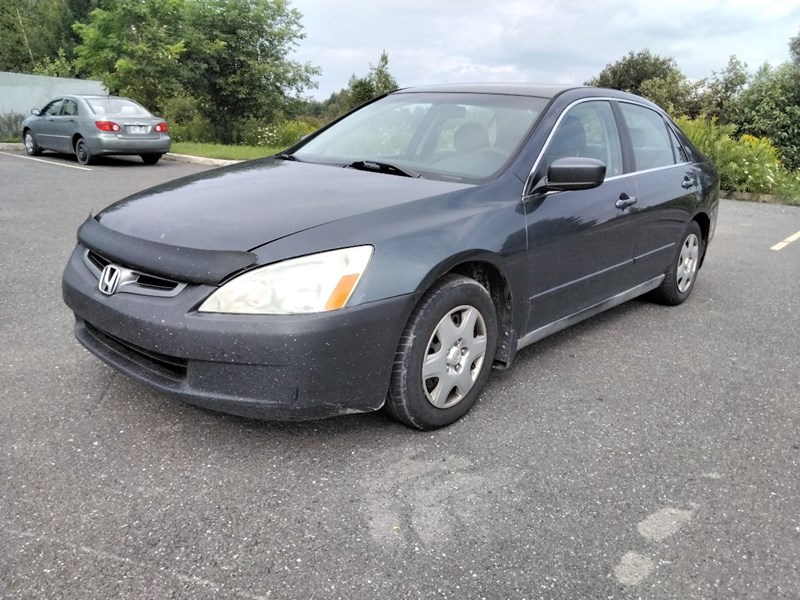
(650, 137)
(588, 129)
(681, 156)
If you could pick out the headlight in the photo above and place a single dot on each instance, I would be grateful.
(309, 284)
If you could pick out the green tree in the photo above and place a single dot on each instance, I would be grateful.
(60, 66)
(770, 107)
(134, 47)
(359, 90)
(631, 71)
(237, 60)
(794, 48)
(674, 93)
(382, 80)
(720, 96)
(657, 78)
(32, 32)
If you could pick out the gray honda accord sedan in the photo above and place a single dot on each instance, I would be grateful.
(90, 126)
(396, 256)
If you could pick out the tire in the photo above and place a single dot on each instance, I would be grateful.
(151, 159)
(445, 354)
(82, 152)
(31, 147)
(679, 280)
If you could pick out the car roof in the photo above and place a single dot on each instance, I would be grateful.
(99, 96)
(537, 90)
(516, 89)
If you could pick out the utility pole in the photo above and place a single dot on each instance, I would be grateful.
(24, 36)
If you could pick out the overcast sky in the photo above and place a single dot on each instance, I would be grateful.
(543, 41)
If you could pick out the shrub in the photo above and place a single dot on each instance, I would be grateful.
(197, 129)
(252, 132)
(180, 109)
(10, 124)
(746, 164)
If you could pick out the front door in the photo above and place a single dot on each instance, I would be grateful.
(580, 243)
(45, 128)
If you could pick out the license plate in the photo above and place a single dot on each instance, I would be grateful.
(137, 129)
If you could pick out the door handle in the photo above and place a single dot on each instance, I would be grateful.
(625, 201)
(687, 183)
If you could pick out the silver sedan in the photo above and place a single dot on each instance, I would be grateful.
(90, 126)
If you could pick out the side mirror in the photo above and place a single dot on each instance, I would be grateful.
(36, 111)
(573, 173)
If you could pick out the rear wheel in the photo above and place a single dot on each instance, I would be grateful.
(31, 147)
(445, 355)
(82, 152)
(151, 159)
(679, 280)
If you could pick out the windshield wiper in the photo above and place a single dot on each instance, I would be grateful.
(286, 156)
(383, 167)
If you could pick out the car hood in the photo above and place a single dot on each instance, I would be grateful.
(245, 206)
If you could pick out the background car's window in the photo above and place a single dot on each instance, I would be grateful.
(117, 106)
(440, 135)
(589, 130)
(652, 147)
(70, 108)
(53, 109)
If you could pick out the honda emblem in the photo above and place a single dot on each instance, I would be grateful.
(109, 280)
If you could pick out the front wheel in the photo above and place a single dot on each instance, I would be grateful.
(679, 280)
(82, 152)
(150, 159)
(445, 354)
(31, 147)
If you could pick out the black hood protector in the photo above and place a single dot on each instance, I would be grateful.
(188, 265)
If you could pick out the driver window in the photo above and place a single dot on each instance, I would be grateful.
(53, 109)
(589, 130)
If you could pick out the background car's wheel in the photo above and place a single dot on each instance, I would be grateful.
(82, 152)
(445, 354)
(682, 274)
(31, 147)
(151, 159)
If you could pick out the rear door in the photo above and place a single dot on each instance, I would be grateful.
(580, 243)
(65, 124)
(667, 188)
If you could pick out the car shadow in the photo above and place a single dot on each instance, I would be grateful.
(100, 161)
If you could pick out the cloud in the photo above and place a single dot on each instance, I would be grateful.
(431, 41)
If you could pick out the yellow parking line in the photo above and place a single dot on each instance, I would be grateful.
(786, 242)
(47, 162)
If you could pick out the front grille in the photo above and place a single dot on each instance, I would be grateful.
(135, 281)
(97, 260)
(161, 364)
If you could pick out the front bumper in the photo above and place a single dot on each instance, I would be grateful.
(292, 367)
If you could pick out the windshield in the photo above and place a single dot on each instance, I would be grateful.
(453, 136)
(117, 106)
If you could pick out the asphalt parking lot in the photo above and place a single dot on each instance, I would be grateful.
(649, 452)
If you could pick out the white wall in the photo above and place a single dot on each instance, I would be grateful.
(20, 93)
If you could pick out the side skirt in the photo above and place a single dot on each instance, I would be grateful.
(543, 332)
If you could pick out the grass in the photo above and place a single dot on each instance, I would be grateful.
(222, 151)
